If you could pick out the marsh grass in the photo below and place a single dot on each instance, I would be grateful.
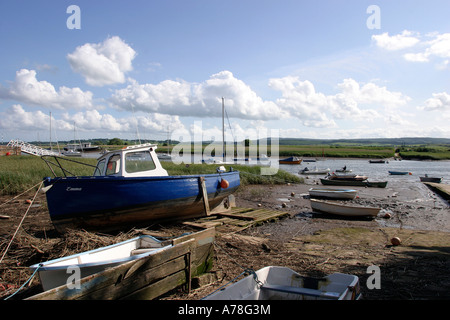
(19, 173)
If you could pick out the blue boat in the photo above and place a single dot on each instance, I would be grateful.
(399, 173)
(130, 188)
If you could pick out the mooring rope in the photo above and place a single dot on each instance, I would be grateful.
(25, 283)
(20, 224)
(21, 193)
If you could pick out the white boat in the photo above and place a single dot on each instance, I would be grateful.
(281, 283)
(332, 193)
(343, 209)
(54, 273)
(314, 171)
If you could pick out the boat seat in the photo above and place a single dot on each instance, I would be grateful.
(300, 290)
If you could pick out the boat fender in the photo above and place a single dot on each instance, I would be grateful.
(224, 184)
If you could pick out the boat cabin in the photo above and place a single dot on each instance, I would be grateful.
(133, 161)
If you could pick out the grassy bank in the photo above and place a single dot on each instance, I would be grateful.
(19, 173)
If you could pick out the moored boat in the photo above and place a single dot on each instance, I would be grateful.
(426, 178)
(377, 161)
(399, 173)
(355, 183)
(281, 283)
(348, 177)
(130, 188)
(343, 209)
(317, 171)
(332, 193)
(290, 160)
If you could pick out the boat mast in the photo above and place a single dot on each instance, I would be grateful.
(223, 130)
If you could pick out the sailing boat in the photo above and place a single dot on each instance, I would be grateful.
(71, 150)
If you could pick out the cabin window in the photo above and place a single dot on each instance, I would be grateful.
(139, 161)
(113, 166)
(100, 168)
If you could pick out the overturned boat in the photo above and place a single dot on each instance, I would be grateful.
(130, 188)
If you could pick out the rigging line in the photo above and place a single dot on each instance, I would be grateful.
(20, 224)
(229, 124)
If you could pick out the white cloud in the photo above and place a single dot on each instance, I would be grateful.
(395, 42)
(27, 89)
(316, 109)
(439, 102)
(103, 63)
(432, 45)
(178, 97)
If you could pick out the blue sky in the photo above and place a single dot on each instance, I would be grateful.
(304, 69)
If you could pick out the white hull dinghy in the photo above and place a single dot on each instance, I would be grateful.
(333, 193)
(54, 273)
(281, 283)
(343, 209)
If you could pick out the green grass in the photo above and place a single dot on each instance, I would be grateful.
(19, 173)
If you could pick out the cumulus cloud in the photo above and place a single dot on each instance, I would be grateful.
(18, 119)
(439, 102)
(426, 47)
(103, 63)
(178, 97)
(396, 42)
(27, 89)
(316, 109)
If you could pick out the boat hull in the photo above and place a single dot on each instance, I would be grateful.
(280, 283)
(355, 183)
(107, 203)
(291, 160)
(54, 273)
(333, 193)
(430, 179)
(398, 173)
(343, 210)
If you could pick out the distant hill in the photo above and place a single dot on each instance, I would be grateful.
(375, 141)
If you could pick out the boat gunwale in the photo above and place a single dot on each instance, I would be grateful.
(43, 267)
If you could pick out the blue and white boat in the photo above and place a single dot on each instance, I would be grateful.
(130, 188)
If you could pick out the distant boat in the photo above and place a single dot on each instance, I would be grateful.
(344, 170)
(290, 160)
(426, 178)
(332, 193)
(343, 209)
(309, 160)
(377, 161)
(129, 188)
(399, 173)
(314, 171)
(281, 283)
(356, 183)
(348, 177)
(53, 273)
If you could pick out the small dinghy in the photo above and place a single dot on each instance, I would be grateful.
(281, 283)
(54, 273)
(332, 193)
(343, 209)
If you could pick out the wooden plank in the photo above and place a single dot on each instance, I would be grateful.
(204, 195)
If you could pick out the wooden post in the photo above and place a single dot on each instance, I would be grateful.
(204, 196)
